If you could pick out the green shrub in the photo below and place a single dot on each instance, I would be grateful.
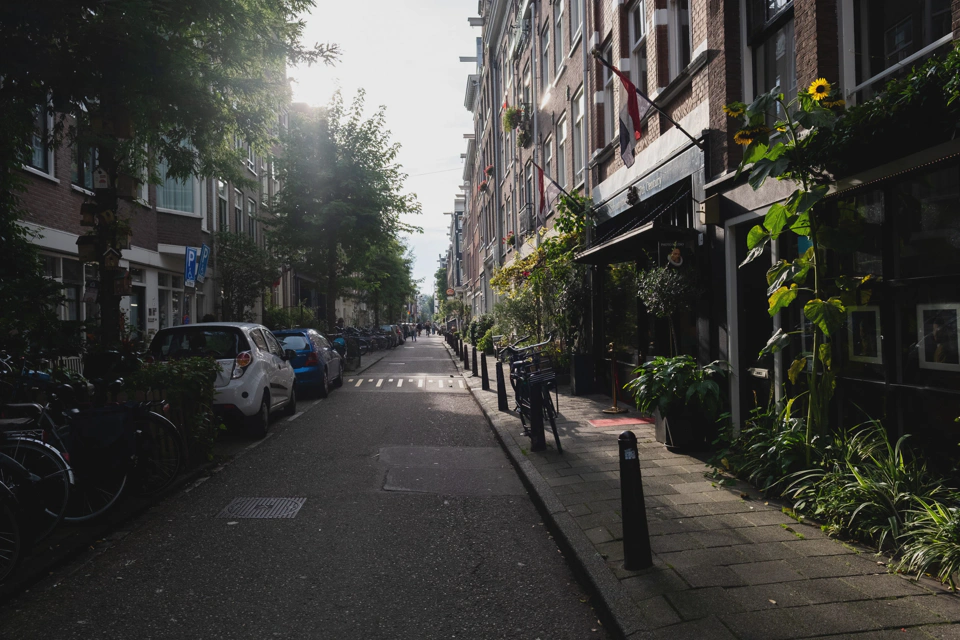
(931, 540)
(276, 318)
(771, 446)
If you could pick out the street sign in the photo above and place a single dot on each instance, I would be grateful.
(190, 267)
(202, 264)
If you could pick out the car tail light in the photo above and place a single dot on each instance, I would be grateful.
(241, 363)
(312, 360)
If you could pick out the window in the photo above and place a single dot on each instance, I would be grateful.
(41, 158)
(222, 206)
(609, 109)
(638, 46)
(575, 20)
(545, 61)
(70, 273)
(577, 117)
(82, 166)
(251, 218)
(548, 157)
(680, 35)
(772, 41)
(558, 53)
(174, 194)
(237, 211)
(527, 89)
(561, 147)
(888, 31)
(528, 184)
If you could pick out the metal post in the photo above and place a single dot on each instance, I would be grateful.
(633, 511)
(501, 389)
(538, 440)
(473, 362)
(466, 357)
(484, 375)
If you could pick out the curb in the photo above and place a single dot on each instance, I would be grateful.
(617, 606)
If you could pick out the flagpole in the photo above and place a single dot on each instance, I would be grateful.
(562, 190)
(699, 143)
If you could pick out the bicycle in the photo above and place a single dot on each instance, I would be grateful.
(530, 369)
(9, 533)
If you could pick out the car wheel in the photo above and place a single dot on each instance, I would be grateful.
(324, 390)
(291, 408)
(260, 422)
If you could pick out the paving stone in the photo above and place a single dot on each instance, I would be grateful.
(889, 634)
(709, 627)
(833, 618)
(719, 538)
(577, 510)
(771, 624)
(559, 482)
(945, 605)
(600, 475)
(689, 498)
(573, 471)
(768, 596)
(833, 566)
(667, 527)
(694, 487)
(654, 582)
(674, 542)
(612, 551)
(692, 604)
(825, 590)
(742, 507)
(884, 586)
(713, 576)
(768, 517)
(942, 631)
(702, 558)
(767, 572)
(598, 519)
(895, 613)
(598, 535)
(670, 462)
(761, 551)
(769, 533)
(657, 612)
(566, 491)
(811, 548)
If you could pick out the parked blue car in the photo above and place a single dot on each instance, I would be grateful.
(317, 365)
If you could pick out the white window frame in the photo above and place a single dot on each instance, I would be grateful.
(577, 134)
(558, 50)
(51, 156)
(251, 219)
(638, 47)
(609, 106)
(548, 158)
(561, 156)
(196, 193)
(237, 211)
(545, 67)
(674, 20)
(576, 23)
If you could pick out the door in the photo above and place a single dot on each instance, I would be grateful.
(331, 361)
(283, 374)
(754, 327)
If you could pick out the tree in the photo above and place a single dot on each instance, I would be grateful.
(150, 87)
(243, 271)
(342, 195)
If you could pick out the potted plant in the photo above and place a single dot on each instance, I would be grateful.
(685, 398)
(524, 138)
(511, 118)
(482, 187)
(510, 240)
(665, 292)
(489, 169)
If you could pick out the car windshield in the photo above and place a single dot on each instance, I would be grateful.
(386, 327)
(295, 342)
(187, 341)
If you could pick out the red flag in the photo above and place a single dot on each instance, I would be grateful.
(629, 119)
(547, 194)
(633, 107)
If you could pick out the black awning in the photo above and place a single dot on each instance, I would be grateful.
(632, 245)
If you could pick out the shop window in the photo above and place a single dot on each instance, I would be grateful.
(771, 39)
(887, 32)
(928, 225)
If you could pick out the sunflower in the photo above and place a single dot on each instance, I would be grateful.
(743, 137)
(819, 89)
(836, 103)
(734, 109)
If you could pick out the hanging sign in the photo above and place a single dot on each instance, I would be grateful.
(202, 264)
(190, 267)
(101, 179)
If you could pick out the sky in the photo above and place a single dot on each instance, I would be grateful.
(405, 54)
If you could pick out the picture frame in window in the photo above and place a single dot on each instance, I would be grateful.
(937, 343)
(863, 334)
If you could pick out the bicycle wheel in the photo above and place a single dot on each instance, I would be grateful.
(94, 492)
(551, 414)
(160, 452)
(9, 542)
(44, 501)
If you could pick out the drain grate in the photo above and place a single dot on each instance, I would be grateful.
(263, 508)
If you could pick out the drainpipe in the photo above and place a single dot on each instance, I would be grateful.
(586, 110)
(535, 101)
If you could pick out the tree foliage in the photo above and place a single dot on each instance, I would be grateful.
(342, 197)
(243, 271)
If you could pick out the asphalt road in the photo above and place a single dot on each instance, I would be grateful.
(411, 524)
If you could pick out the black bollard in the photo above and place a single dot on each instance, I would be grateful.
(466, 357)
(538, 440)
(473, 361)
(501, 389)
(633, 511)
(484, 376)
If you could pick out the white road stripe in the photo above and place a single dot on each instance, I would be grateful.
(370, 380)
(359, 382)
(400, 382)
(440, 382)
(390, 380)
(379, 382)
(351, 379)
(295, 416)
(420, 382)
(461, 384)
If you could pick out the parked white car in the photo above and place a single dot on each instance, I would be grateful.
(256, 377)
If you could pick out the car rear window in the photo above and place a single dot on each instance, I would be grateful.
(297, 343)
(186, 341)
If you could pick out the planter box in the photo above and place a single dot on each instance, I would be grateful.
(684, 431)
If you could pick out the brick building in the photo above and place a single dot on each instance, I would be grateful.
(680, 202)
(165, 220)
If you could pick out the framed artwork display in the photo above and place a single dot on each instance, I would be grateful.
(938, 344)
(863, 334)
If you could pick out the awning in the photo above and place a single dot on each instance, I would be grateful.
(631, 245)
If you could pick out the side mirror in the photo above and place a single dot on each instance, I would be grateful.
(289, 354)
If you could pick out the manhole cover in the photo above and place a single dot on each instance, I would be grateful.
(263, 508)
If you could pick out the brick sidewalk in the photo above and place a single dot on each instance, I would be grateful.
(726, 564)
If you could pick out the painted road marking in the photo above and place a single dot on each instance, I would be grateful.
(461, 384)
(440, 382)
(420, 382)
(351, 379)
(390, 380)
(399, 382)
(295, 416)
(379, 382)
(370, 380)
(359, 382)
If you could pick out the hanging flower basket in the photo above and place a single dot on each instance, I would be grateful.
(489, 170)
(510, 240)
(482, 187)
(524, 138)
(511, 118)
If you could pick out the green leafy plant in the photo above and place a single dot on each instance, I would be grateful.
(524, 138)
(512, 116)
(670, 384)
(931, 540)
(666, 292)
(188, 385)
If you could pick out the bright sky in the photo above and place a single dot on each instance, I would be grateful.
(405, 53)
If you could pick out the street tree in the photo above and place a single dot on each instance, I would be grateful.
(157, 90)
(243, 272)
(386, 280)
(342, 195)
